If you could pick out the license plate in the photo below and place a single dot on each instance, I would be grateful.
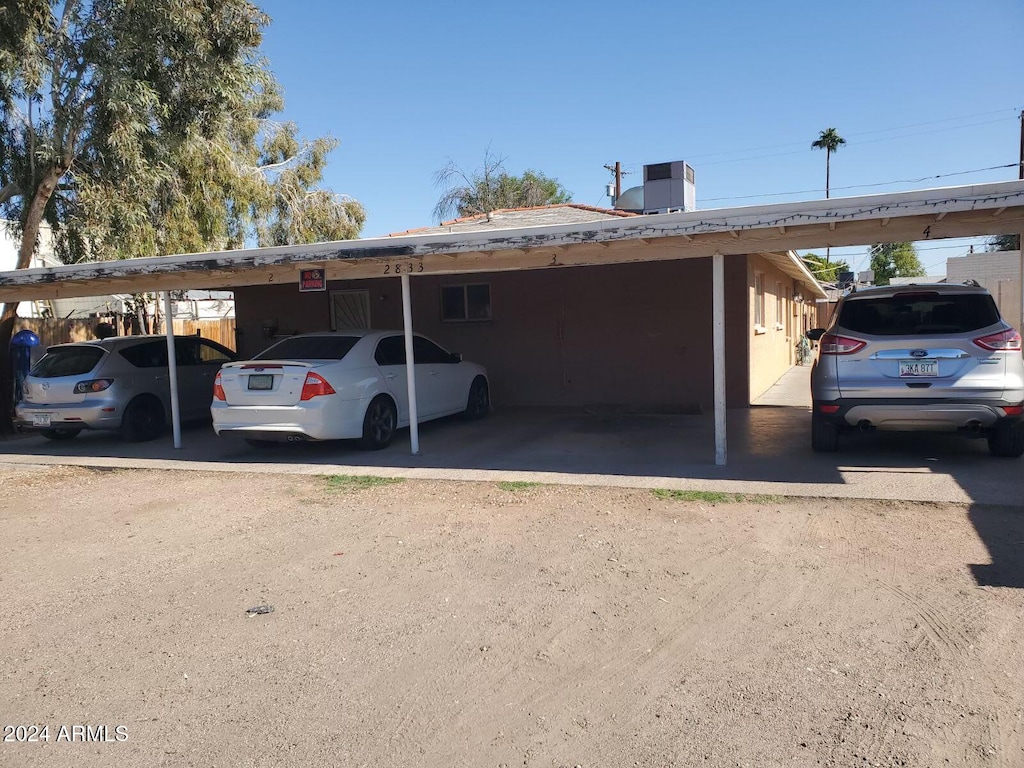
(40, 419)
(262, 381)
(911, 369)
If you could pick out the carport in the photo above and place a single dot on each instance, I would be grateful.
(974, 210)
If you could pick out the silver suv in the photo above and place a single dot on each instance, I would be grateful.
(934, 357)
(119, 383)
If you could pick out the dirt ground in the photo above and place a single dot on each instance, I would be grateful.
(475, 624)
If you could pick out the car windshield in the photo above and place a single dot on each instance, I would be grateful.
(67, 361)
(309, 348)
(919, 314)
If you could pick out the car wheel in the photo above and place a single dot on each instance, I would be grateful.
(379, 424)
(63, 433)
(143, 420)
(1007, 441)
(478, 404)
(824, 434)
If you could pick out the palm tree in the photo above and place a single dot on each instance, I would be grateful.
(830, 141)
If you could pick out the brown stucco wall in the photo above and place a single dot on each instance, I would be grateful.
(636, 336)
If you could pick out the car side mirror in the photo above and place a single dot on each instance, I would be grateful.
(454, 357)
(815, 333)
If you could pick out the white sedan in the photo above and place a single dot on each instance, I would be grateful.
(336, 386)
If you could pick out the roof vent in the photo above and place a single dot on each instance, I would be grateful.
(669, 187)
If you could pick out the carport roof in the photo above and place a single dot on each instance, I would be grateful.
(773, 230)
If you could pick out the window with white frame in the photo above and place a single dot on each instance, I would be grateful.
(759, 301)
(778, 307)
(462, 303)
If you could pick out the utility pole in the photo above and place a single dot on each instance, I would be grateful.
(1020, 235)
(619, 173)
(1020, 165)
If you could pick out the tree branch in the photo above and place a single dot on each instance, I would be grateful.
(9, 191)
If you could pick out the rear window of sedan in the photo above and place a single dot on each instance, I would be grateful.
(919, 314)
(309, 348)
(67, 361)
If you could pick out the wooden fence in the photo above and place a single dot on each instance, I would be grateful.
(59, 331)
(221, 331)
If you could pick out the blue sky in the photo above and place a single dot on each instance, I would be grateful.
(919, 89)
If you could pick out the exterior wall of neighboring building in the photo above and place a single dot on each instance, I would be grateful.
(628, 336)
(775, 324)
(204, 305)
(10, 244)
(998, 272)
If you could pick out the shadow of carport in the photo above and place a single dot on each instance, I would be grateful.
(770, 454)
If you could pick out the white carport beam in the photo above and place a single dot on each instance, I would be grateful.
(410, 367)
(718, 343)
(172, 370)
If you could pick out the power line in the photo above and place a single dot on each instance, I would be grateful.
(854, 144)
(864, 186)
(921, 248)
(735, 152)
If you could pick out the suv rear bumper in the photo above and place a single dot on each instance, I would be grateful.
(917, 414)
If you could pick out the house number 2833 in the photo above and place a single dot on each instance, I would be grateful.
(403, 269)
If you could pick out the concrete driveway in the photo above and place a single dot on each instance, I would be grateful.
(769, 453)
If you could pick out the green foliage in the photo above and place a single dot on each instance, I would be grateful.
(825, 271)
(516, 485)
(715, 497)
(1003, 243)
(889, 260)
(493, 188)
(358, 482)
(141, 129)
(830, 141)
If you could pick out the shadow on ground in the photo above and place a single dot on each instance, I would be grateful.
(1002, 531)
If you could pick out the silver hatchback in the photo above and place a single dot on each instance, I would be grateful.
(935, 357)
(120, 383)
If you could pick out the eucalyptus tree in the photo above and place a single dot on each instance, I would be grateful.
(144, 128)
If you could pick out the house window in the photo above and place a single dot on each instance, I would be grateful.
(759, 301)
(466, 302)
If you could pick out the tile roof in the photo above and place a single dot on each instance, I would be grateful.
(505, 218)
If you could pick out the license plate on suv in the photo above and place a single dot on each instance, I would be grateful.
(912, 369)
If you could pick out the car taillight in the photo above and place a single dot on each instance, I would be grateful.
(218, 390)
(1014, 410)
(831, 344)
(1004, 341)
(315, 386)
(93, 385)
